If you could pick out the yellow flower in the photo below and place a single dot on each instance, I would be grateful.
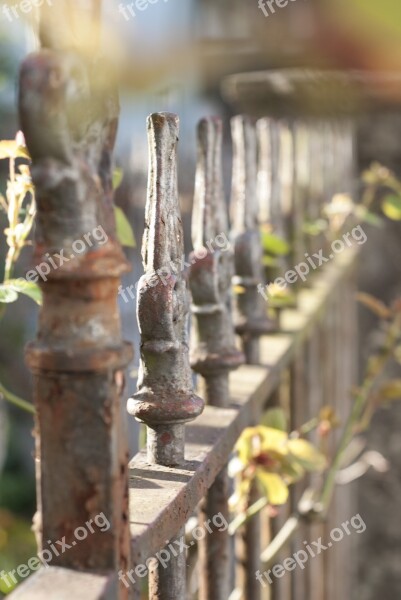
(272, 459)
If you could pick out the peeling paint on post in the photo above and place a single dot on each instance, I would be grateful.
(213, 351)
(165, 400)
(78, 357)
(251, 319)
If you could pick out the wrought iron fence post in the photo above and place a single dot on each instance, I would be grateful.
(213, 351)
(251, 319)
(165, 400)
(69, 117)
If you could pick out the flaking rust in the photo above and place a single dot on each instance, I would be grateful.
(165, 400)
(251, 319)
(69, 117)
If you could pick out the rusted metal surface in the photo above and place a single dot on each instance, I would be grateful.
(213, 350)
(214, 550)
(251, 319)
(64, 584)
(161, 498)
(165, 400)
(169, 583)
(247, 552)
(69, 116)
(251, 311)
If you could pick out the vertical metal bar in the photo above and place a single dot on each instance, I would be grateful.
(315, 372)
(268, 191)
(274, 145)
(169, 583)
(248, 547)
(344, 355)
(214, 549)
(298, 371)
(251, 310)
(286, 170)
(165, 399)
(78, 358)
(299, 415)
(213, 351)
(267, 179)
(331, 398)
(282, 587)
(314, 204)
(302, 181)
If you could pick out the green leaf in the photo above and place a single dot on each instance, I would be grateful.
(28, 288)
(279, 297)
(275, 418)
(118, 175)
(391, 207)
(273, 244)
(7, 294)
(367, 216)
(124, 230)
(269, 261)
(314, 228)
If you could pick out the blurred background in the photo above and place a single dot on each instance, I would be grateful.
(174, 56)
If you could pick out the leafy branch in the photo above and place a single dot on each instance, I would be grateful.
(19, 207)
(254, 454)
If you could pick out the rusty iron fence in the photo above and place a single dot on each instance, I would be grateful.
(303, 357)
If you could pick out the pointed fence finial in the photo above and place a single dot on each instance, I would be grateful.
(251, 311)
(165, 400)
(213, 351)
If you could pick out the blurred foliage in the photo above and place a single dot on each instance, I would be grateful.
(17, 545)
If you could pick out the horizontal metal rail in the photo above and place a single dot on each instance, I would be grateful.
(66, 584)
(162, 498)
